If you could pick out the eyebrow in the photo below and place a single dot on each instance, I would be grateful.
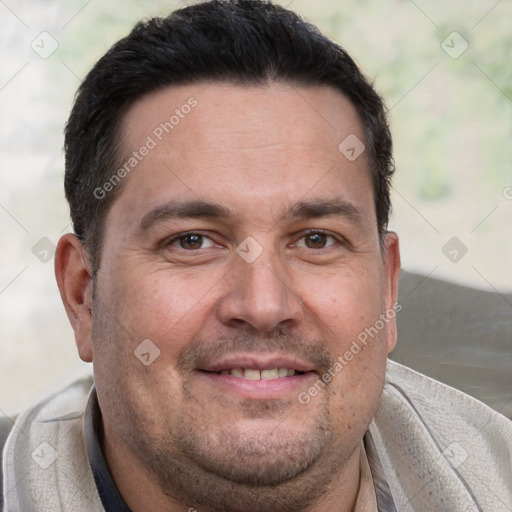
(206, 210)
(179, 209)
(337, 207)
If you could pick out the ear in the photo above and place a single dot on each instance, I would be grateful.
(74, 278)
(392, 269)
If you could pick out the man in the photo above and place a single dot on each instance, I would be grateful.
(233, 282)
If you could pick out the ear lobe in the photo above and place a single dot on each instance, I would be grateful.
(392, 268)
(74, 279)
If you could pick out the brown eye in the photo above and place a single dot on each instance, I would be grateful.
(191, 242)
(315, 240)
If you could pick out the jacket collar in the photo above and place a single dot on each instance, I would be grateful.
(113, 501)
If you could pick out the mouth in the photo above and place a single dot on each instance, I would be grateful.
(256, 376)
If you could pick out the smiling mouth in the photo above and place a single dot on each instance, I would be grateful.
(254, 374)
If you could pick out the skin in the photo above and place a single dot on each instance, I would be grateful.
(174, 436)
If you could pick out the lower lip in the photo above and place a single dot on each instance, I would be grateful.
(259, 389)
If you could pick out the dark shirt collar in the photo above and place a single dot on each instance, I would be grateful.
(385, 502)
(110, 496)
(112, 500)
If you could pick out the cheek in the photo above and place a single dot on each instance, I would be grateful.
(151, 306)
(161, 306)
(348, 306)
(344, 303)
(357, 388)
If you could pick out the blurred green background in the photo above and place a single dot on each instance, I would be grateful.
(443, 68)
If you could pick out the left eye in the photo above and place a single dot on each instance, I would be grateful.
(316, 241)
(192, 241)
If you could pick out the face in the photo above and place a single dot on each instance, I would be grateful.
(243, 248)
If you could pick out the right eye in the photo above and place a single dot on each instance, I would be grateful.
(191, 241)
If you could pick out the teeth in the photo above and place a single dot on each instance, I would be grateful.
(270, 374)
(251, 374)
(283, 372)
(237, 372)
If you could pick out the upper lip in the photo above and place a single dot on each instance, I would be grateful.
(257, 362)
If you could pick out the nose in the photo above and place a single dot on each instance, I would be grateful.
(259, 297)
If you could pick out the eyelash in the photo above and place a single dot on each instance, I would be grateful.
(338, 240)
(180, 236)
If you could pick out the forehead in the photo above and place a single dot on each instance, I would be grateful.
(273, 109)
(250, 147)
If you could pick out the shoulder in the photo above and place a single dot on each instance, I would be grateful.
(441, 406)
(6, 424)
(70, 400)
(46, 441)
(441, 445)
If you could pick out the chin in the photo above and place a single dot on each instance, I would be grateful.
(237, 469)
(258, 460)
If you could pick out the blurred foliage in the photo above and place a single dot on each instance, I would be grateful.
(396, 42)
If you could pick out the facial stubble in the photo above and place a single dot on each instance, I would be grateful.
(200, 464)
